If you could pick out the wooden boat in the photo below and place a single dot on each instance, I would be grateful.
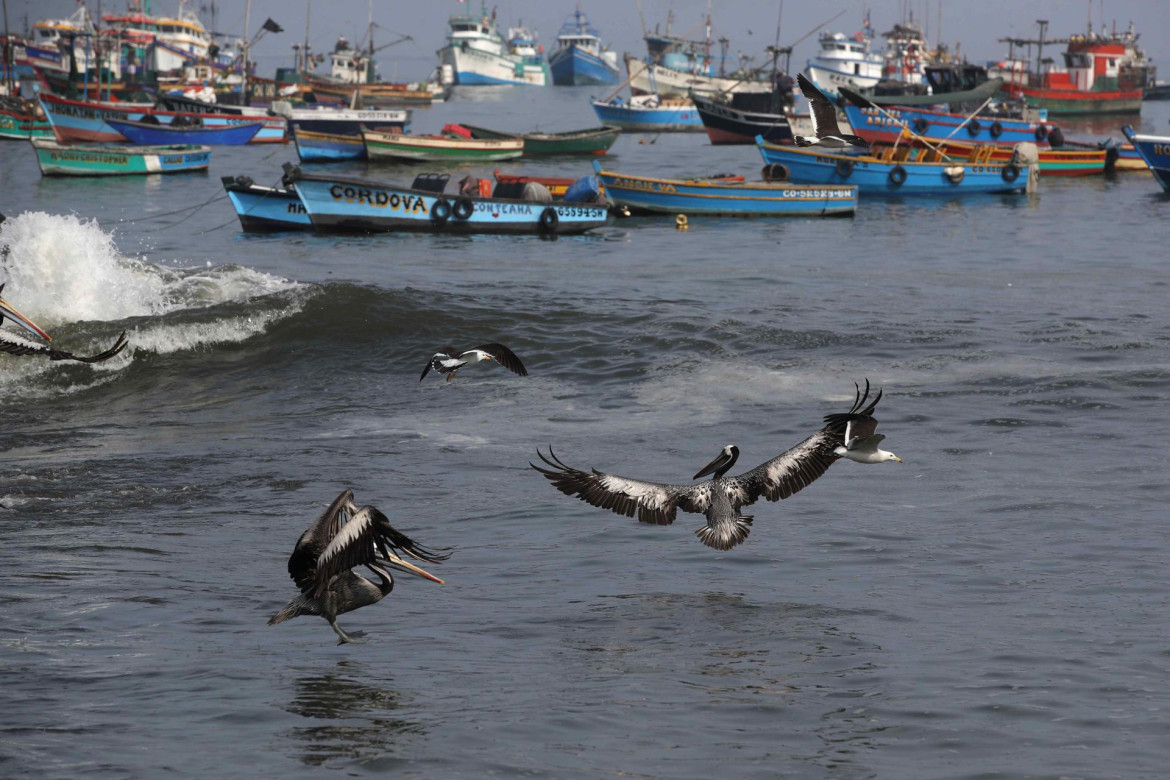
(431, 148)
(21, 120)
(556, 185)
(147, 133)
(885, 125)
(896, 171)
(727, 124)
(1053, 162)
(719, 197)
(1128, 160)
(343, 121)
(358, 205)
(265, 209)
(594, 140)
(649, 113)
(57, 159)
(328, 147)
(1155, 150)
(85, 120)
(380, 94)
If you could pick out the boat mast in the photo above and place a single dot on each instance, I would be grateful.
(246, 46)
(305, 51)
(9, 80)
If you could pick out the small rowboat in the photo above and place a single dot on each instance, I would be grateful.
(594, 140)
(146, 133)
(327, 147)
(58, 159)
(432, 148)
(557, 185)
(649, 113)
(265, 209)
(1053, 162)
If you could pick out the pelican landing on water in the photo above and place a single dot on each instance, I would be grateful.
(720, 498)
(15, 346)
(449, 360)
(343, 538)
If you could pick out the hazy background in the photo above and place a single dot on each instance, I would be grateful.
(750, 25)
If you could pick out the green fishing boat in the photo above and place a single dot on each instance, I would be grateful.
(57, 159)
(434, 148)
(593, 140)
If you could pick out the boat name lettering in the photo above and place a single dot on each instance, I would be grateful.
(91, 157)
(651, 186)
(504, 208)
(295, 208)
(580, 211)
(1162, 149)
(380, 198)
(837, 193)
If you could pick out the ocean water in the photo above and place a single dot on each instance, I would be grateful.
(996, 607)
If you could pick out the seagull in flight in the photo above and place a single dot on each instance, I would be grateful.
(449, 360)
(824, 120)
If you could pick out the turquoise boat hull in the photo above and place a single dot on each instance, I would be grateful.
(265, 209)
(58, 159)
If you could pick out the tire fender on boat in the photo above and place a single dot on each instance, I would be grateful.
(921, 125)
(1010, 172)
(844, 168)
(1041, 132)
(897, 176)
(775, 172)
(996, 129)
(973, 127)
(1111, 155)
(549, 219)
(464, 208)
(441, 211)
(1055, 137)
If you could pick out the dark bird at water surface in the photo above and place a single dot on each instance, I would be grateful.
(18, 346)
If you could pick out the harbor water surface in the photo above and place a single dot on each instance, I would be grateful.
(996, 607)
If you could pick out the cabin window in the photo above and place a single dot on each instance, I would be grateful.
(856, 69)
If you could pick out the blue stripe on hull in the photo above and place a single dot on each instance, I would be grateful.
(268, 211)
(575, 67)
(478, 80)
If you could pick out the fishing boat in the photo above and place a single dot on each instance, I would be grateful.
(581, 59)
(343, 121)
(265, 209)
(353, 79)
(719, 197)
(328, 147)
(430, 148)
(1128, 160)
(57, 159)
(885, 126)
(22, 119)
(1103, 73)
(478, 54)
(846, 60)
(556, 185)
(146, 133)
(650, 114)
(85, 120)
(729, 123)
(359, 205)
(1052, 162)
(675, 67)
(593, 140)
(895, 171)
(1155, 150)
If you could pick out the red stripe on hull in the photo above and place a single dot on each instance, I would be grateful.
(68, 135)
(724, 138)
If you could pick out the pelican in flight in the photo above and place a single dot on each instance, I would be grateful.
(449, 360)
(22, 347)
(720, 498)
(824, 121)
(343, 538)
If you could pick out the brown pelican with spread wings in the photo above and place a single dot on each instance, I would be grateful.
(720, 498)
(18, 346)
(341, 539)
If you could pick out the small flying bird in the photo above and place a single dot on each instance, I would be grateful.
(824, 121)
(18, 346)
(343, 538)
(719, 498)
(448, 360)
(861, 443)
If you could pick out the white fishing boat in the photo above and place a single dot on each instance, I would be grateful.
(846, 60)
(478, 54)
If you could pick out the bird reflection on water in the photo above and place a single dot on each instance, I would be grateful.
(353, 719)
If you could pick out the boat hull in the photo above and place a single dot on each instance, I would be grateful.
(421, 148)
(874, 176)
(56, 159)
(356, 205)
(266, 209)
(829, 79)
(664, 119)
(726, 125)
(885, 125)
(573, 66)
(1155, 150)
(146, 134)
(476, 67)
(714, 198)
(649, 79)
(1067, 102)
(594, 140)
(328, 147)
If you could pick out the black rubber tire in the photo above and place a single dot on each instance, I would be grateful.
(897, 176)
(1041, 132)
(464, 208)
(844, 168)
(775, 172)
(996, 129)
(1010, 172)
(920, 125)
(441, 211)
(549, 219)
(973, 127)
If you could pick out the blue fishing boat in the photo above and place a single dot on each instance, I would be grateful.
(649, 113)
(720, 197)
(1155, 150)
(328, 147)
(900, 170)
(884, 125)
(362, 206)
(146, 132)
(580, 58)
(265, 209)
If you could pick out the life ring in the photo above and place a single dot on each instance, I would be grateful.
(463, 208)
(775, 172)
(996, 129)
(1041, 132)
(549, 219)
(844, 168)
(1010, 172)
(441, 211)
(920, 125)
(973, 127)
(897, 176)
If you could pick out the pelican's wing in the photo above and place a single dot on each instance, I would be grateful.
(653, 502)
(21, 348)
(504, 356)
(824, 113)
(796, 469)
(302, 564)
(363, 540)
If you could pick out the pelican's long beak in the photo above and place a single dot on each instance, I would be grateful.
(9, 311)
(713, 466)
(410, 567)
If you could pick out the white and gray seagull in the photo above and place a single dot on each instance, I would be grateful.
(449, 360)
(719, 498)
(341, 539)
(15, 345)
(824, 121)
